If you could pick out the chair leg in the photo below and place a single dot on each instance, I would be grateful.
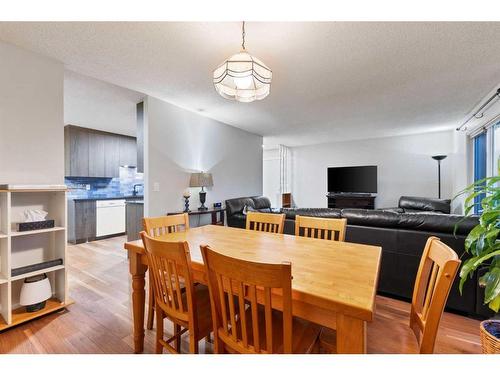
(193, 344)
(151, 306)
(177, 329)
(159, 330)
(218, 346)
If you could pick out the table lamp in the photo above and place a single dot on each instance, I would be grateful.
(201, 180)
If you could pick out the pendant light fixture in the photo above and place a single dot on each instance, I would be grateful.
(243, 77)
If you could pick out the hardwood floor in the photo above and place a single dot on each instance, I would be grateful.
(100, 320)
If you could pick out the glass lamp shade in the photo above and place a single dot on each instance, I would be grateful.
(35, 290)
(243, 77)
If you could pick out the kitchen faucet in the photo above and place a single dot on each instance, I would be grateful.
(135, 192)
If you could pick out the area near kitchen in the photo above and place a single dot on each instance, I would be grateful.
(105, 182)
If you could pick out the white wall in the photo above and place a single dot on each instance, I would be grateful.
(404, 165)
(178, 142)
(31, 118)
(96, 104)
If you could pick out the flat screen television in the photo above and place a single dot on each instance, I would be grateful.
(361, 179)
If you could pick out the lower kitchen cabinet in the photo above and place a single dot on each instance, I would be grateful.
(81, 221)
(134, 216)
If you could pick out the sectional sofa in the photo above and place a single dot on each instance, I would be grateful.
(401, 232)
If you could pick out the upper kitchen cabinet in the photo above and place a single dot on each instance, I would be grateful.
(76, 148)
(97, 157)
(140, 137)
(128, 151)
(112, 156)
(94, 153)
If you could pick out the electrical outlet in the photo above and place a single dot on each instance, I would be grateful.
(156, 186)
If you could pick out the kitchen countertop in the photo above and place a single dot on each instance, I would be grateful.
(135, 202)
(136, 198)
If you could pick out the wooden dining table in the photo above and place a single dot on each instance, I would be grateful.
(334, 283)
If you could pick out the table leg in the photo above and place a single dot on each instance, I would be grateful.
(138, 271)
(351, 335)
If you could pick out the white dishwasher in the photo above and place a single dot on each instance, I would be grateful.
(110, 217)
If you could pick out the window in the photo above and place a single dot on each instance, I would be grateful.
(480, 164)
(496, 149)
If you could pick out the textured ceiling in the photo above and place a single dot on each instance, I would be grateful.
(331, 80)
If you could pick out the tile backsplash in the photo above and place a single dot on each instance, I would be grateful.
(100, 187)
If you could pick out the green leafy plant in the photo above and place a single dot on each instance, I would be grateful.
(482, 242)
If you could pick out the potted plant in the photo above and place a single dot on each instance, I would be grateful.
(483, 245)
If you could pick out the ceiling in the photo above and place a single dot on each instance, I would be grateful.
(332, 81)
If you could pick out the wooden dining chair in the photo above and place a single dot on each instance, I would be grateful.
(244, 320)
(154, 227)
(263, 222)
(437, 270)
(321, 228)
(189, 310)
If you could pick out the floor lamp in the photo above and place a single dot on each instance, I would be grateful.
(439, 158)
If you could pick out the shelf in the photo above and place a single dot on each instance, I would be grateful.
(20, 315)
(3, 279)
(38, 272)
(36, 231)
(3, 235)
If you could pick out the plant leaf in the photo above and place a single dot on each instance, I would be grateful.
(495, 304)
(473, 236)
(470, 265)
(492, 282)
(489, 217)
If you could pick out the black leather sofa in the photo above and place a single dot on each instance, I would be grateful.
(401, 232)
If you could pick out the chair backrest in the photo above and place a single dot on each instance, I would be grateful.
(322, 228)
(156, 226)
(169, 264)
(263, 222)
(438, 268)
(247, 282)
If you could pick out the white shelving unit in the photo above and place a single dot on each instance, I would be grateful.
(19, 249)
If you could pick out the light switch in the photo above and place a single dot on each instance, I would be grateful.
(156, 186)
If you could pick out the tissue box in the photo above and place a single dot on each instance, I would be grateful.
(34, 225)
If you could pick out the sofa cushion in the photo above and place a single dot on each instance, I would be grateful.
(236, 205)
(261, 202)
(333, 213)
(425, 204)
(375, 218)
(436, 222)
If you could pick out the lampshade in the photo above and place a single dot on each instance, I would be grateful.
(201, 180)
(35, 289)
(439, 157)
(243, 77)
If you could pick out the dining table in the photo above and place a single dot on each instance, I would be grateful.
(334, 283)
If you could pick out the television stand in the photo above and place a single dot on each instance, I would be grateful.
(351, 200)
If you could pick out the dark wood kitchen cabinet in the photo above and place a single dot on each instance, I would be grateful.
(76, 149)
(112, 156)
(97, 160)
(94, 153)
(82, 218)
(128, 151)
